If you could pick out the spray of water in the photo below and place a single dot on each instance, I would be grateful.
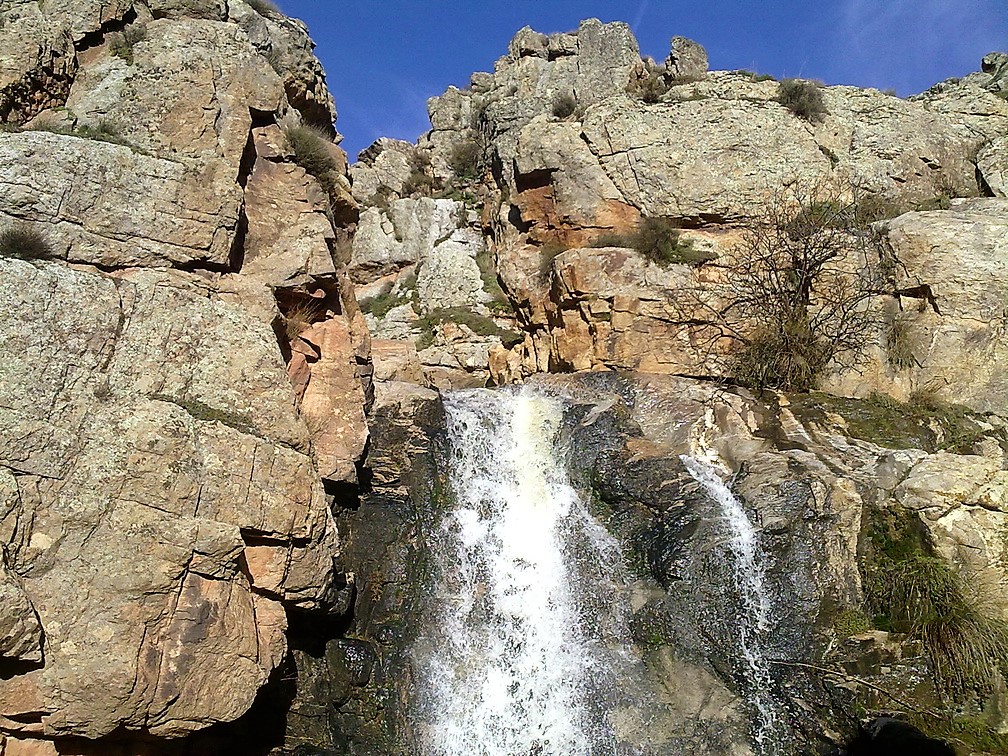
(747, 563)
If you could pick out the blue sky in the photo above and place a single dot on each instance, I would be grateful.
(384, 58)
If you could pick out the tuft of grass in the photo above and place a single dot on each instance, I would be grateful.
(25, 242)
(753, 76)
(400, 293)
(564, 105)
(899, 344)
(478, 324)
(299, 318)
(660, 240)
(913, 591)
(200, 411)
(488, 274)
(803, 98)
(264, 8)
(649, 89)
(792, 357)
(549, 252)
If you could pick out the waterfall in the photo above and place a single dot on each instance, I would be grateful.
(510, 661)
(747, 564)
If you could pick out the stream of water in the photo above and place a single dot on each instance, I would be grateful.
(747, 564)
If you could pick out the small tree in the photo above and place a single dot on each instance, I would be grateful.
(794, 297)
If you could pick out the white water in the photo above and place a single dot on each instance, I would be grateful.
(749, 574)
(508, 669)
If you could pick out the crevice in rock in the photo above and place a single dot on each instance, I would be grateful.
(983, 188)
(541, 178)
(96, 38)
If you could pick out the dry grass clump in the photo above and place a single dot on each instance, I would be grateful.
(24, 242)
(300, 317)
(803, 98)
(564, 105)
(311, 150)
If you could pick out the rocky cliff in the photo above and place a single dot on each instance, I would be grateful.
(222, 448)
(184, 367)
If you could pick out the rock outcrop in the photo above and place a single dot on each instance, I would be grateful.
(183, 367)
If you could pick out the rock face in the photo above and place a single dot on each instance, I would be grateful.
(705, 151)
(183, 367)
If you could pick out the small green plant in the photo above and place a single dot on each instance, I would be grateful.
(564, 105)
(24, 242)
(660, 240)
(264, 8)
(121, 44)
(851, 622)
(401, 293)
(803, 98)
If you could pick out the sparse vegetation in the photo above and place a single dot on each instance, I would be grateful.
(851, 622)
(549, 252)
(311, 150)
(204, 412)
(803, 98)
(121, 44)
(478, 324)
(899, 344)
(660, 240)
(923, 422)
(421, 180)
(103, 130)
(795, 297)
(488, 274)
(649, 88)
(24, 242)
(466, 159)
(300, 317)
(753, 76)
(402, 292)
(564, 105)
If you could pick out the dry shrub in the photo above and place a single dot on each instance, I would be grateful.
(803, 98)
(564, 105)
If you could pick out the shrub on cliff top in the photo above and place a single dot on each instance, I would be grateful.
(803, 98)
(25, 242)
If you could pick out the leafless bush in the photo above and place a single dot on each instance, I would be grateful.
(793, 300)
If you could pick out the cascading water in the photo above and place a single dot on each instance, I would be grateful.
(510, 665)
(748, 568)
